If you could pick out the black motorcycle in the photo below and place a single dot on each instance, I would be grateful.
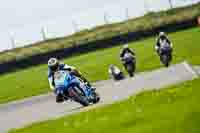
(129, 63)
(166, 55)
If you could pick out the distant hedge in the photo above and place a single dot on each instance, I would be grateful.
(118, 31)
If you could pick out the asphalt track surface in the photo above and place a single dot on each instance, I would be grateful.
(18, 114)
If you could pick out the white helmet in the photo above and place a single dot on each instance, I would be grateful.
(125, 46)
(53, 64)
(162, 34)
(111, 66)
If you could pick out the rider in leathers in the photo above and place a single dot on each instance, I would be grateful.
(159, 42)
(125, 50)
(55, 65)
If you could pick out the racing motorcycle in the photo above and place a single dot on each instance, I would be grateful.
(72, 87)
(165, 53)
(129, 63)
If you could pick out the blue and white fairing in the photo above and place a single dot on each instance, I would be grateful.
(62, 79)
(65, 81)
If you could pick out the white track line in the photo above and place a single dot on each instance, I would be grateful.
(190, 69)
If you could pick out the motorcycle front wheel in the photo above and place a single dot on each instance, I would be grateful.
(77, 95)
(165, 60)
(130, 69)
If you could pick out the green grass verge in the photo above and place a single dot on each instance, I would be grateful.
(94, 65)
(147, 22)
(174, 109)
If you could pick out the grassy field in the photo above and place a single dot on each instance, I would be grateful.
(174, 109)
(94, 65)
(147, 22)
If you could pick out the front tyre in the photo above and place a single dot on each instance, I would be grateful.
(165, 60)
(130, 69)
(78, 96)
(96, 98)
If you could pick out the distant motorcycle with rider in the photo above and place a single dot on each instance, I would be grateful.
(164, 49)
(128, 59)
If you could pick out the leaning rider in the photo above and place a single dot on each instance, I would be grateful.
(53, 66)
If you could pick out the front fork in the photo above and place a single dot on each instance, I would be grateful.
(87, 90)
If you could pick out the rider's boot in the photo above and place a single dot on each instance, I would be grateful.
(59, 98)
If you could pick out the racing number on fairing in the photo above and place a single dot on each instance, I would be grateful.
(59, 76)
